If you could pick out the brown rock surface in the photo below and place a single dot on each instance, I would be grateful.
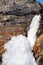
(6, 32)
(38, 48)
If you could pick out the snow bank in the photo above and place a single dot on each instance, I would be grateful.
(18, 52)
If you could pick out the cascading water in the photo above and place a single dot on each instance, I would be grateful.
(18, 49)
(33, 29)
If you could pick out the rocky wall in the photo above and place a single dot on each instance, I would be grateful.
(15, 18)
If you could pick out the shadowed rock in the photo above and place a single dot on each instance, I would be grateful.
(16, 20)
(20, 9)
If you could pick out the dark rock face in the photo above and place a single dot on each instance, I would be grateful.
(0, 60)
(20, 9)
(41, 62)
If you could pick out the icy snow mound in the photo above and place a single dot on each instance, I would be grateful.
(18, 52)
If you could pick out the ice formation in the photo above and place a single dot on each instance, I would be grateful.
(18, 49)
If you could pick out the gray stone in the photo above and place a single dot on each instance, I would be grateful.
(20, 9)
(14, 1)
(22, 1)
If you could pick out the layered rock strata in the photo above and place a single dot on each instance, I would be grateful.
(15, 18)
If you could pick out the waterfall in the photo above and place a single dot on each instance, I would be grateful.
(33, 29)
(18, 49)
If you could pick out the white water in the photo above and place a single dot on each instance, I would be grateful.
(18, 50)
(33, 29)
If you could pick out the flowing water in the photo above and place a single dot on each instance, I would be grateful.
(19, 48)
(33, 29)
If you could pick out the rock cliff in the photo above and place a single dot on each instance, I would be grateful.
(15, 17)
